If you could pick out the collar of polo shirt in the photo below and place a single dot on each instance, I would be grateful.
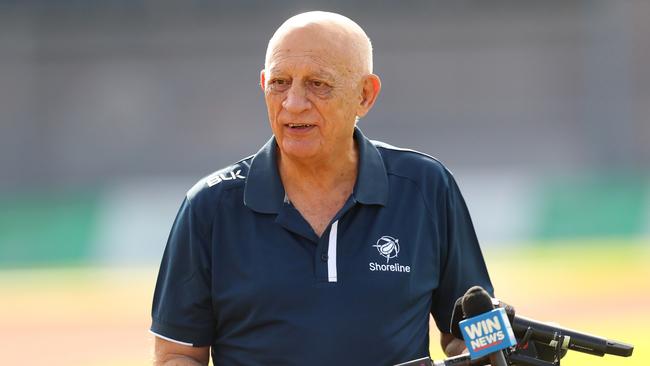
(264, 192)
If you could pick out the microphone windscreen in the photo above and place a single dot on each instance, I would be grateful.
(476, 301)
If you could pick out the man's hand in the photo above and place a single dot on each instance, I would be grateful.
(451, 345)
(168, 353)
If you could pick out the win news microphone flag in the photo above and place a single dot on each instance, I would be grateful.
(487, 330)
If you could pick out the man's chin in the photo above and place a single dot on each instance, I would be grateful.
(300, 150)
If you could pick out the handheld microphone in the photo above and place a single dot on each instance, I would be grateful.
(487, 331)
(548, 334)
(573, 340)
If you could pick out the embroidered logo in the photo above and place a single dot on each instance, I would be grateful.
(219, 177)
(388, 247)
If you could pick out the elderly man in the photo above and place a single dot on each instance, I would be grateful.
(324, 248)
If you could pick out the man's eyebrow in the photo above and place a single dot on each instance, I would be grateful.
(275, 70)
(319, 74)
(325, 75)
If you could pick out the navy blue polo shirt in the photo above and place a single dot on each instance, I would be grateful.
(244, 273)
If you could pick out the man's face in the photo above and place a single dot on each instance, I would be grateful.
(312, 93)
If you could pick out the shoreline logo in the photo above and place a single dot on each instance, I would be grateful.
(388, 247)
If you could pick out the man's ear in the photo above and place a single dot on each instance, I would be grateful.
(371, 86)
(262, 80)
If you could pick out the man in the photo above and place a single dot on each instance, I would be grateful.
(324, 248)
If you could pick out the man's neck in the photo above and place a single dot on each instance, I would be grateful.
(320, 188)
(333, 173)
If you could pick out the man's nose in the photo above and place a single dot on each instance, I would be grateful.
(296, 100)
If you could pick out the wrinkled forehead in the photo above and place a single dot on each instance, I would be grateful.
(327, 47)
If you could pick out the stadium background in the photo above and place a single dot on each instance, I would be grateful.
(111, 110)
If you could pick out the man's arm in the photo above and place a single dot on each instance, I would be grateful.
(168, 353)
(451, 345)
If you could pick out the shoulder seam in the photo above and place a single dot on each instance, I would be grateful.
(383, 145)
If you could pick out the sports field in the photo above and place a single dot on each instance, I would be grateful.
(100, 316)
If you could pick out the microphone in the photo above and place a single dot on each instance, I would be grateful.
(487, 331)
(549, 334)
(573, 340)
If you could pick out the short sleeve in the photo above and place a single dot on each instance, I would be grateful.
(182, 305)
(462, 263)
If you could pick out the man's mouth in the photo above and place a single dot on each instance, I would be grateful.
(299, 125)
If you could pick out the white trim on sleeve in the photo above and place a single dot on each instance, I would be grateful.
(169, 339)
(331, 253)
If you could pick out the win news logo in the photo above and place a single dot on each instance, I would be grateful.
(487, 333)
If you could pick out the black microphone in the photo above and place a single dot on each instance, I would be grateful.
(573, 340)
(477, 301)
(547, 334)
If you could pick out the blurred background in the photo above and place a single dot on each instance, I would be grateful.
(111, 110)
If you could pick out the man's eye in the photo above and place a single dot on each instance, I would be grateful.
(279, 84)
(319, 87)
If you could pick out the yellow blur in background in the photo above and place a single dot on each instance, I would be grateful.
(100, 316)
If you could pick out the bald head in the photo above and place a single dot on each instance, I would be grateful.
(326, 30)
(317, 82)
